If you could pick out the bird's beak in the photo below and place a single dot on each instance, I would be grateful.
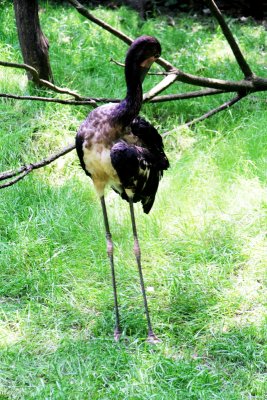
(145, 67)
(143, 73)
(148, 62)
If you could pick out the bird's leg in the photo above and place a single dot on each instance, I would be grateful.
(117, 331)
(152, 338)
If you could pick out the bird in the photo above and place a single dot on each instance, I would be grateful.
(118, 148)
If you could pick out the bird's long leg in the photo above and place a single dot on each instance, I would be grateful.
(117, 330)
(152, 338)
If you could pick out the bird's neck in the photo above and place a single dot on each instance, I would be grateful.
(130, 107)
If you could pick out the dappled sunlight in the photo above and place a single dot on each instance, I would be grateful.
(248, 284)
(218, 50)
(256, 251)
(205, 198)
(245, 197)
(65, 169)
(241, 305)
(10, 333)
(179, 139)
(13, 82)
(214, 229)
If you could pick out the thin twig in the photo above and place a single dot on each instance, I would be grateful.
(188, 95)
(126, 39)
(37, 79)
(83, 11)
(120, 64)
(254, 84)
(162, 85)
(24, 170)
(89, 101)
(230, 39)
(95, 100)
(13, 181)
(222, 107)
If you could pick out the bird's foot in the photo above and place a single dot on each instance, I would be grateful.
(117, 335)
(152, 338)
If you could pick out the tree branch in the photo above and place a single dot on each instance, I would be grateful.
(254, 84)
(242, 85)
(24, 170)
(222, 107)
(91, 102)
(162, 85)
(37, 79)
(210, 113)
(13, 181)
(188, 95)
(126, 39)
(83, 11)
(231, 40)
(251, 83)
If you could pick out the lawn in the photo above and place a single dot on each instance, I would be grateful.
(204, 242)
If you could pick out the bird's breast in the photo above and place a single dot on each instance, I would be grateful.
(98, 163)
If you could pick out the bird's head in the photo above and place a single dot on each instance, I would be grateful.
(142, 53)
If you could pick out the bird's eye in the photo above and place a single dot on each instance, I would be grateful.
(157, 55)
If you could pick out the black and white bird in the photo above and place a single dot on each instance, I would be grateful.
(118, 148)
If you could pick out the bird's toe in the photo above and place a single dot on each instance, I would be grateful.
(153, 339)
(117, 335)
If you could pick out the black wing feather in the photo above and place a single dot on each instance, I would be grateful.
(140, 168)
(152, 141)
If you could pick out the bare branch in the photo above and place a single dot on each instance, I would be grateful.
(209, 114)
(188, 95)
(13, 181)
(94, 101)
(126, 39)
(231, 40)
(242, 85)
(83, 11)
(120, 64)
(254, 84)
(164, 84)
(90, 102)
(26, 67)
(222, 107)
(37, 79)
(24, 170)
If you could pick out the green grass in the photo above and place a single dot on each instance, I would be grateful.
(204, 243)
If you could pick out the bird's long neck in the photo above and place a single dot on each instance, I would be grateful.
(130, 107)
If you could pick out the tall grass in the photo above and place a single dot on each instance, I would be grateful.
(204, 243)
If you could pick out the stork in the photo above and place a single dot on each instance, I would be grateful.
(118, 148)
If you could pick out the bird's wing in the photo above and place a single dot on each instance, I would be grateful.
(152, 140)
(137, 172)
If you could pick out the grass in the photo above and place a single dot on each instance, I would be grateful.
(204, 243)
